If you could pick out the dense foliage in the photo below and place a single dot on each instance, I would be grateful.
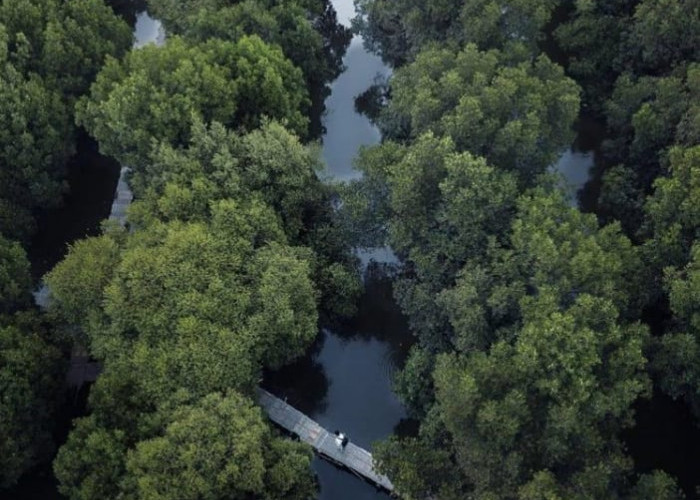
(231, 253)
(517, 116)
(31, 370)
(50, 52)
(399, 29)
(539, 327)
(156, 93)
(306, 31)
(532, 348)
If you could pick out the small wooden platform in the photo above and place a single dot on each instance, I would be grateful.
(354, 458)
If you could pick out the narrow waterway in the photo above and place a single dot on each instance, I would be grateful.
(344, 382)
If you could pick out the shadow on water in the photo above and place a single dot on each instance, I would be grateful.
(378, 316)
(351, 354)
(341, 485)
(345, 381)
(303, 384)
(40, 483)
(92, 179)
(128, 9)
(666, 437)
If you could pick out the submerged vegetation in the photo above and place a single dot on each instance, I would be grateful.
(539, 326)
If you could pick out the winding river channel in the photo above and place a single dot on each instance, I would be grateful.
(344, 382)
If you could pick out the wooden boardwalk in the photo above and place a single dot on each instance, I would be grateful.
(357, 460)
(354, 458)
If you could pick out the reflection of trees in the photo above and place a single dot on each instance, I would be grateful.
(128, 9)
(407, 427)
(665, 435)
(378, 316)
(303, 384)
(336, 39)
(371, 102)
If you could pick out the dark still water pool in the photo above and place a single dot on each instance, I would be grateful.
(344, 381)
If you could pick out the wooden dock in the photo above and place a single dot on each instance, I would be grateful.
(354, 458)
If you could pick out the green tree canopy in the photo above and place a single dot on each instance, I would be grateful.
(65, 42)
(553, 400)
(542, 411)
(664, 34)
(268, 164)
(77, 283)
(15, 279)
(186, 309)
(552, 248)
(219, 448)
(592, 39)
(90, 463)
(398, 30)
(50, 52)
(157, 93)
(307, 31)
(31, 371)
(673, 212)
(645, 117)
(676, 354)
(517, 116)
(35, 142)
(440, 209)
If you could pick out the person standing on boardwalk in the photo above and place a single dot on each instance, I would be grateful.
(339, 440)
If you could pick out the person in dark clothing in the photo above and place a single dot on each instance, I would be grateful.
(339, 440)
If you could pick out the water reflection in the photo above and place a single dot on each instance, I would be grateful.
(577, 165)
(375, 256)
(302, 384)
(337, 484)
(148, 30)
(346, 130)
(575, 170)
(357, 358)
(344, 381)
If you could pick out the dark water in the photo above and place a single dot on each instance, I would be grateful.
(92, 179)
(344, 382)
(666, 437)
(347, 130)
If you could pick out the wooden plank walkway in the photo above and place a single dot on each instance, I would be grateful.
(354, 458)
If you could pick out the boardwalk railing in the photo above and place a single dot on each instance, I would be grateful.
(352, 457)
